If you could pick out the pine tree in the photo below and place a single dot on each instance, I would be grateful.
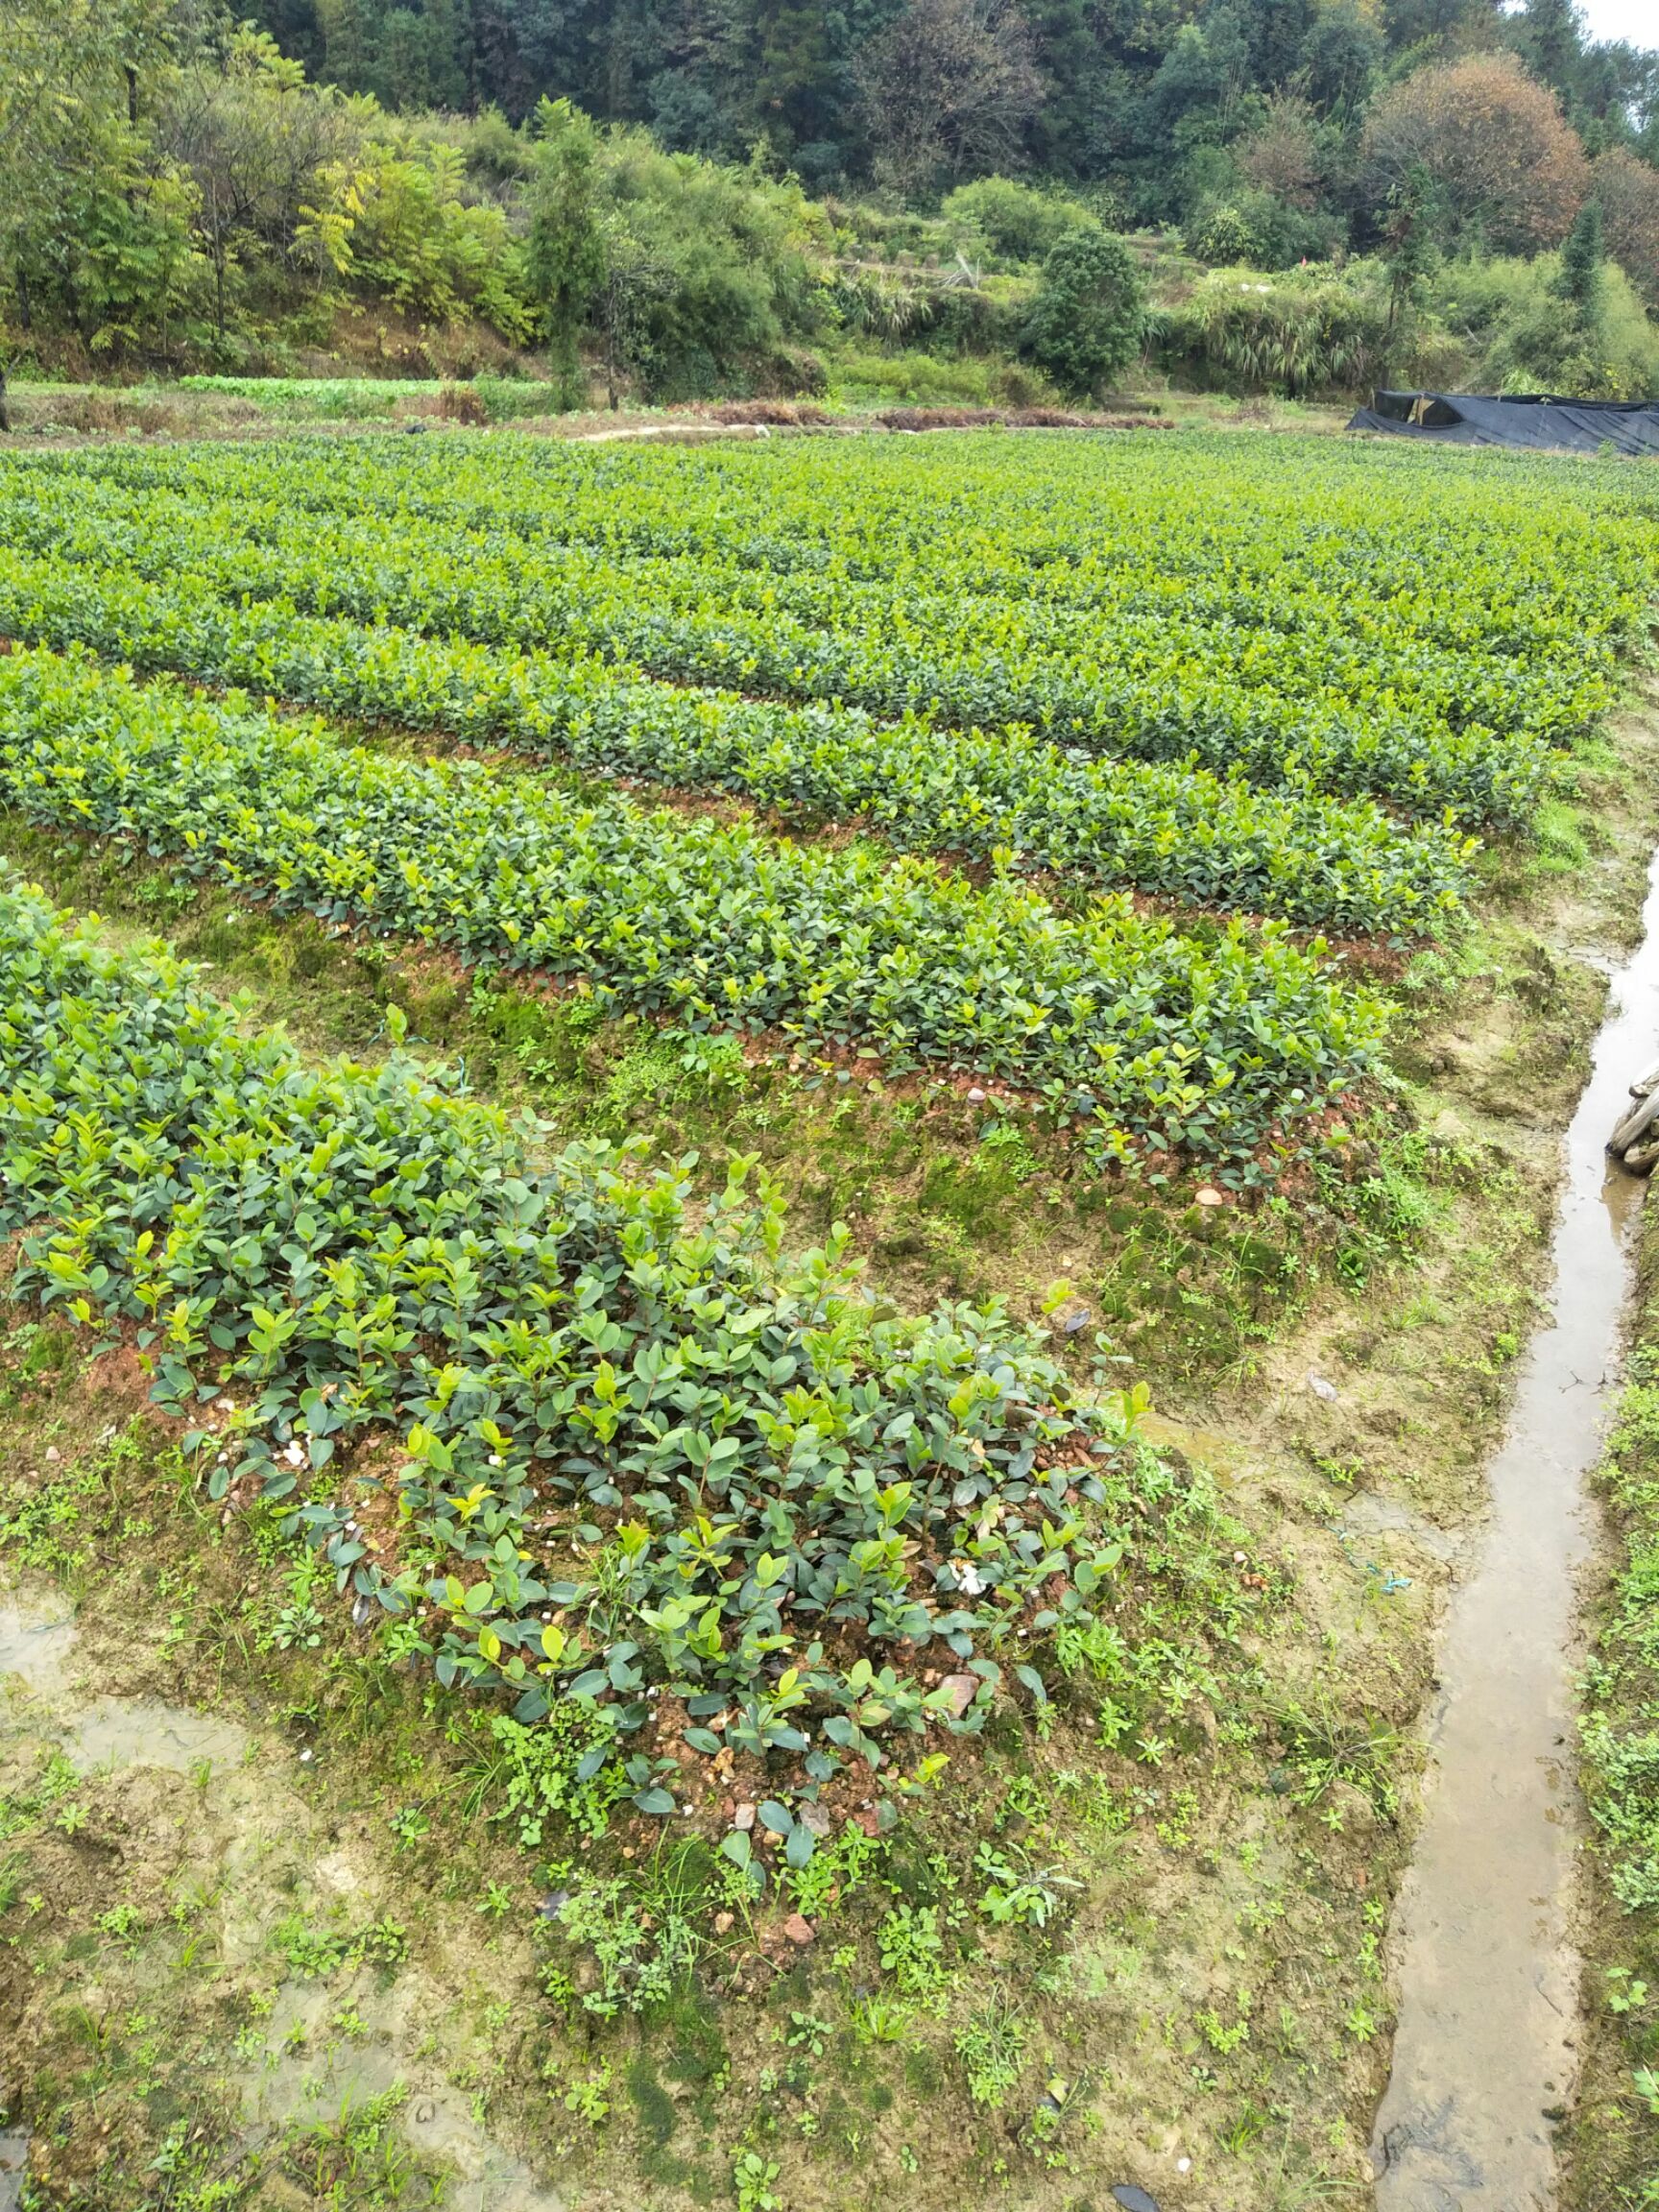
(1583, 259)
(1553, 42)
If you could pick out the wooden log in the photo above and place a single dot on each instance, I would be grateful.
(1636, 1122)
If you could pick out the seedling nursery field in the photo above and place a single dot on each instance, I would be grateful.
(766, 1206)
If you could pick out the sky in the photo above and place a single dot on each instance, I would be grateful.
(1637, 20)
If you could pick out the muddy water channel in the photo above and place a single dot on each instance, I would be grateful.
(1483, 2055)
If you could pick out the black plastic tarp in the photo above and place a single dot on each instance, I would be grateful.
(1534, 421)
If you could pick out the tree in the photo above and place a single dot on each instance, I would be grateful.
(1282, 154)
(1341, 58)
(948, 89)
(794, 87)
(565, 262)
(1440, 24)
(254, 137)
(1089, 317)
(1409, 245)
(637, 277)
(1552, 38)
(94, 218)
(1627, 191)
(1582, 264)
(1505, 164)
(1202, 78)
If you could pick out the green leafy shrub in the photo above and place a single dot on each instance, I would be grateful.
(1222, 237)
(1087, 320)
(1017, 220)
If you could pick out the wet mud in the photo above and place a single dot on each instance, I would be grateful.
(300, 2069)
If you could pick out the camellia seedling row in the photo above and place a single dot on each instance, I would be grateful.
(633, 1449)
(1211, 1043)
(1011, 798)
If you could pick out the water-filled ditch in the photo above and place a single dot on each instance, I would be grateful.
(1484, 2048)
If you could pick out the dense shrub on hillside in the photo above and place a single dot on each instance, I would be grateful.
(1297, 333)
(1520, 335)
(1089, 317)
(1014, 221)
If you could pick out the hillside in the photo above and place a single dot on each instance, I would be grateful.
(675, 205)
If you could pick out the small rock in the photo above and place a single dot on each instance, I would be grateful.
(963, 1688)
(553, 1904)
(1133, 2198)
(977, 1097)
(1321, 1389)
(53, 1453)
(722, 1923)
(743, 1818)
(815, 1818)
(800, 1930)
(425, 2111)
(1208, 1197)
